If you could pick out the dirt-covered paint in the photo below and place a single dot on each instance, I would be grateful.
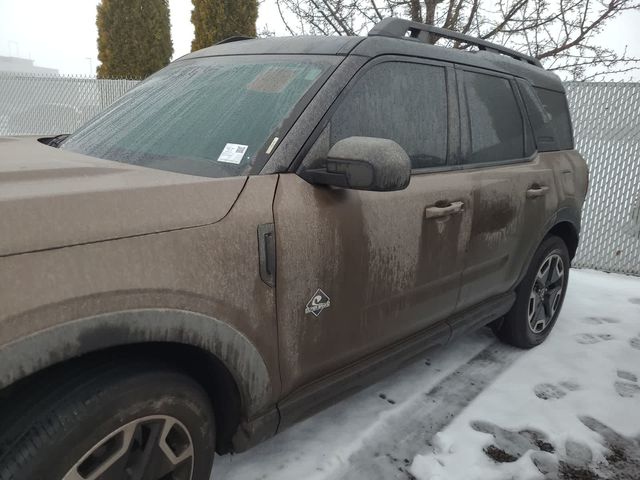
(209, 270)
(40, 185)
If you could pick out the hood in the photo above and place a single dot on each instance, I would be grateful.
(53, 198)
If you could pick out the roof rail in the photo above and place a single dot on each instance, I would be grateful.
(400, 28)
(237, 38)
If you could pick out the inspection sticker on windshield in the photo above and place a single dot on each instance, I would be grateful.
(233, 153)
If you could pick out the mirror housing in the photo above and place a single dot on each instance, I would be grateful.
(363, 163)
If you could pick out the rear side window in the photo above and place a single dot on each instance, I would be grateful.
(497, 130)
(558, 119)
(404, 102)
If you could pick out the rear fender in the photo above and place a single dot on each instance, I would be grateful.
(567, 215)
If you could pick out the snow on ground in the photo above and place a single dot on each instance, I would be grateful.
(557, 401)
(477, 409)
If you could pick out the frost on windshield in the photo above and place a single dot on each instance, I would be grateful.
(184, 118)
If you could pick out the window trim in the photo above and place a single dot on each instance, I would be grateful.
(453, 130)
(465, 121)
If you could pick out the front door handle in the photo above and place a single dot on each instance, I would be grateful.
(537, 191)
(437, 212)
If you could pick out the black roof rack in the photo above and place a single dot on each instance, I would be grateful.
(237, 38)
(400, 28)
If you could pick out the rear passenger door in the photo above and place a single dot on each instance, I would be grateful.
(513, 191)
(382, 269)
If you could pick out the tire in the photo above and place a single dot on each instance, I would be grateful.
(108, 417)
(519, 327)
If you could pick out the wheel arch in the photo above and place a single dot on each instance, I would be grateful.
(566, 225)
(569, 235)
(222, 359)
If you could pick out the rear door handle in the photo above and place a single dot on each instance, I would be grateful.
(537, 191)
(437, 212)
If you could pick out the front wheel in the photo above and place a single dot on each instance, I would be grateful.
(111, 423)
(539, 297)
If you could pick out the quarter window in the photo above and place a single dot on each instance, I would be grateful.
(559, 123)
(497, 132)
(404, 102)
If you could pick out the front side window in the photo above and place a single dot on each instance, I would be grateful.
(207, 116)
(403, 102)
(495, 121)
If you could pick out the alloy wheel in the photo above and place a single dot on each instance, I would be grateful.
(156, 447)
(546, 293)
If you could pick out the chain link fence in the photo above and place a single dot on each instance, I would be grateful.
(52, 104)
(606, 125)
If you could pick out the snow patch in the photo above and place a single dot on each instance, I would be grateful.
(584, 375)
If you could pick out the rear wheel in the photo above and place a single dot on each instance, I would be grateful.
(120, 423)
(539, 297)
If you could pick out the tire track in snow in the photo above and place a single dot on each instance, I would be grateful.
(323, 446)
(389, 450)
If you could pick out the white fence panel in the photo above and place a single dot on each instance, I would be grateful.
(606, 120)
(50, 104)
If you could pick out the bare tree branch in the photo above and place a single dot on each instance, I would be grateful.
(283, 18)
(561, 33)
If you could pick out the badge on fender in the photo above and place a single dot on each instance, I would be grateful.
(318, 302)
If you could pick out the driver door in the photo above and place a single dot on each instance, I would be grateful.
(358, 271)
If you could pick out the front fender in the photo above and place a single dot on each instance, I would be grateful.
(56, 344)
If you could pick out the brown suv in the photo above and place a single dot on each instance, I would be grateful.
(263, 226)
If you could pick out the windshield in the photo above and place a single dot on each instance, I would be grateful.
(208, 116)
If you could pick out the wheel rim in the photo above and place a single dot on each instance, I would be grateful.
(546, 293)
(157, 447)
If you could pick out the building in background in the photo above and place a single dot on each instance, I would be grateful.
(23, 65)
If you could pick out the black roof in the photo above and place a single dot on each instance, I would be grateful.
(376, 45)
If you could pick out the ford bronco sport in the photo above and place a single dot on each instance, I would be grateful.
(263, 226)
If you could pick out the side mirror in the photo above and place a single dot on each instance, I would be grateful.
(363, 163)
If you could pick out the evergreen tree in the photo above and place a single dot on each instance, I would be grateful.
(215, 20)
(134, 38)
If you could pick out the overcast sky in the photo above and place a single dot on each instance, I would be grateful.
(62, 34)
